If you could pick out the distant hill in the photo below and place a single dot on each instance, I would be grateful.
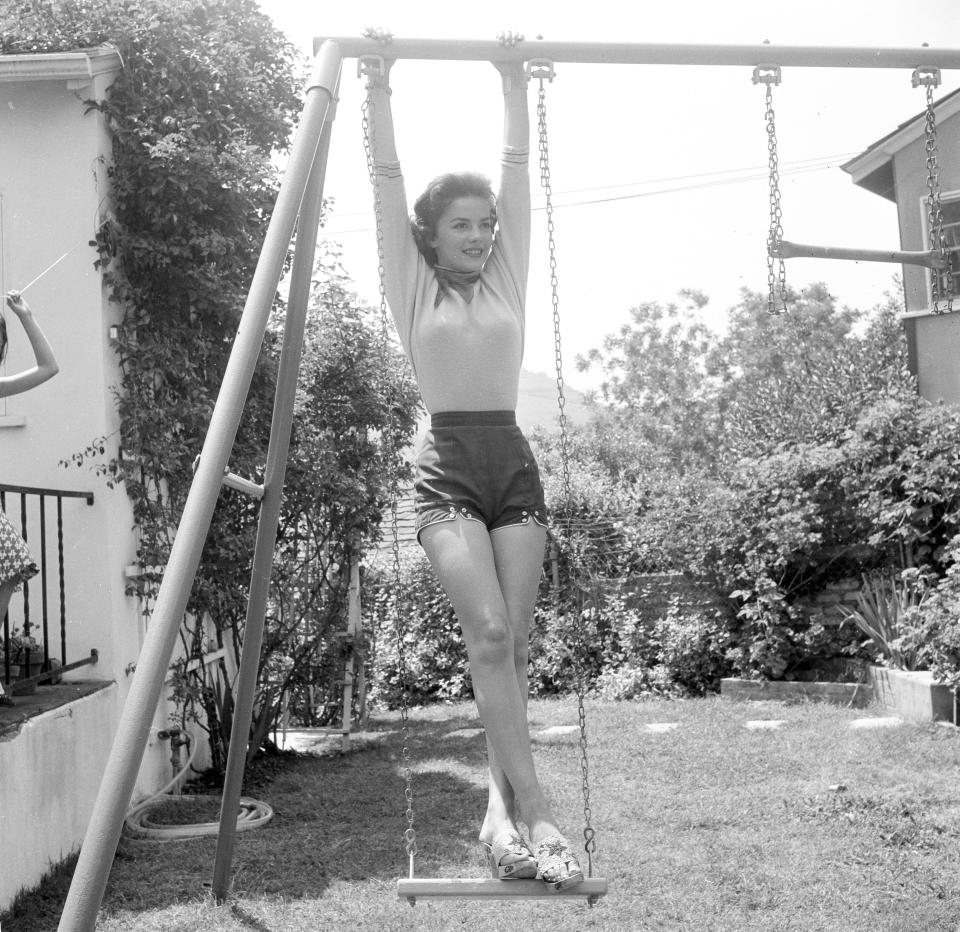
(537, 403)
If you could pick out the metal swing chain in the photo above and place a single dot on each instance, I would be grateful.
(589, 835)
(776, 267)
(933, 201)
(410, 834)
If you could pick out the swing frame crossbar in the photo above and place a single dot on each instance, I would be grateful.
(592, 888)
(298, 209)
(618, 53)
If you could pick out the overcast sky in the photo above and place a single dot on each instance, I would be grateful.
(658, 172)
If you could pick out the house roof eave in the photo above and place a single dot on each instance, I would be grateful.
(77, 69)
(873, 168)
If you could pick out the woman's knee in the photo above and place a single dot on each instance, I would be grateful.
(492, 643)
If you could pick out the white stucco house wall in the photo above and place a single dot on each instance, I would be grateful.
(54, 194)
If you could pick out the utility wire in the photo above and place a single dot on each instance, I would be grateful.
(740, 175)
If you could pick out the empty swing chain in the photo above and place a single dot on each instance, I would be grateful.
(544, 71)
(410, 834)
(776, 267)
(934, 205)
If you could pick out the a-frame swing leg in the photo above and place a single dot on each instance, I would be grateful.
(277, 450)
(123, 764)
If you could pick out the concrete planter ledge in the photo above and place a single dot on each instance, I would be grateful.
(854, 695)
(913, 694)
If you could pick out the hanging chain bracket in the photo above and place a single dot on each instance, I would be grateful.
(927, 77)
(766, 74)
(371, 66)
(541, 69)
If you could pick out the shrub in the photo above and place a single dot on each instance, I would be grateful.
(693, 647)
(887, 610)
(632, 681)
(933, 634)
(435, 657)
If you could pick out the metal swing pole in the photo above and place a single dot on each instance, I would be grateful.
(280, 429)
(116, 787)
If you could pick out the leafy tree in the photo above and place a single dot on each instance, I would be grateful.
(804, 376)
(656, 397)
(791, 450)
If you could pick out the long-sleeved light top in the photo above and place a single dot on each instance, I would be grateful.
(465, 355)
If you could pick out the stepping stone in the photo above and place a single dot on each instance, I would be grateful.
(662, 727)
(890, 721)
(764, 724)
(555, 732)
(463, 733)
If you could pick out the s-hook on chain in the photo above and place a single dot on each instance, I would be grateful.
(776, 268)
(375, 69)
(543, 71)
(941, 282)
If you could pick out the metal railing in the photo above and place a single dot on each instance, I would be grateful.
(40, 607)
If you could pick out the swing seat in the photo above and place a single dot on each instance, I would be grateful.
(931, 258)
(409, 889)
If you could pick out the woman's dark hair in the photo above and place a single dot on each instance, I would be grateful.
(438, 196)
(3, 338)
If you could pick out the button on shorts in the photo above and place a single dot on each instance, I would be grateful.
(478, 465)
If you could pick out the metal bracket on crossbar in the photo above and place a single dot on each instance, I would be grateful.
(766, 74)
(540, 68)
(233, 481)
(928, 77)
(371, 66)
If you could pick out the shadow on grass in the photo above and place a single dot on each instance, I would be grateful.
(336, 817)
(246, 920)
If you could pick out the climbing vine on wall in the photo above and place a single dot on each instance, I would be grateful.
(207, 93)
(207, 97)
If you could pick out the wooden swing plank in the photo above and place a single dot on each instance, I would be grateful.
(414, 887)
(929, 257)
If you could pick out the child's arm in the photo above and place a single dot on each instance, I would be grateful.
(46, 364)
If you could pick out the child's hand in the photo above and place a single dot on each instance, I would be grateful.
(16, 303)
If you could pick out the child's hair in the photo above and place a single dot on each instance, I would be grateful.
(3, 338)
(438, 196)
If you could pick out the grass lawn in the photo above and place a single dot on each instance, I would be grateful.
(814, 825)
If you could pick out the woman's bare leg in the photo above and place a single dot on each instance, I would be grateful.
(518, 558)
(492, 585)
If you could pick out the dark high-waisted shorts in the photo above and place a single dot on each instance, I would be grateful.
(478, 465)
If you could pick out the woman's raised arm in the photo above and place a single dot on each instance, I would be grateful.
(378, 82)
(516, 120)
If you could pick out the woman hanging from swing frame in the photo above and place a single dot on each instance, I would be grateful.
(455, 280)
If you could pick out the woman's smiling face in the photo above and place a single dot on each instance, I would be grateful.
(464, 234)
